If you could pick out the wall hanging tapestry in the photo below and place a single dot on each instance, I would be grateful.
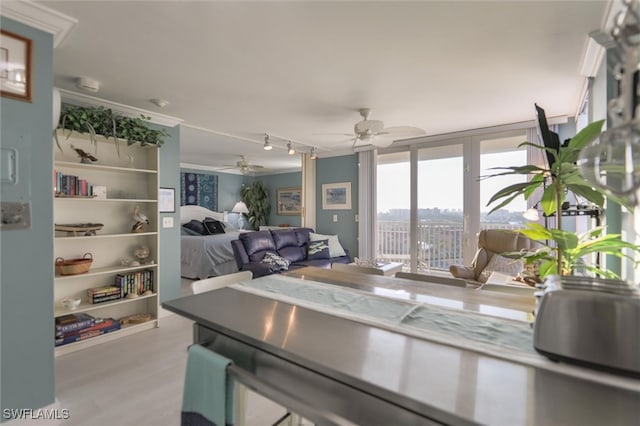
(199, 190)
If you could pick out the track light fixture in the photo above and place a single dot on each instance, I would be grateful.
(313, 154)
(291, 148)
(267, 145)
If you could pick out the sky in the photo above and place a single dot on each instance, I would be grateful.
(440, 183)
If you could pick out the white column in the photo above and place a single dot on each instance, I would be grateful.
(308, 192)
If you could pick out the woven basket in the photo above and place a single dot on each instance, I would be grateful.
(74, 266)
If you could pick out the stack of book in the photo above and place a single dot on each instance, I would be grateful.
(104, 294)
(76, 327)
(135, 283)
(69, 185)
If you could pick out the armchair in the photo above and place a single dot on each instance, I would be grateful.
(492, 242)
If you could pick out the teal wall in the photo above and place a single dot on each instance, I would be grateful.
(335, 170)
(279, 181)
(229, 186)
(26, 277)
(169, 238)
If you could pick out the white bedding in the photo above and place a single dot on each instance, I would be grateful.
(204, 256)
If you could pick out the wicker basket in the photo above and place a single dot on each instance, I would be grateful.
(74, 266)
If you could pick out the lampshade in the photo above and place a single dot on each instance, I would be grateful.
(291, 148)
(240, 207)
(531, 214)
(313, 154)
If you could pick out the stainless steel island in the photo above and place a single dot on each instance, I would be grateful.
(335, 370)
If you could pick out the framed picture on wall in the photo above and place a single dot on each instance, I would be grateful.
(289, 201)
(336, 196)
(15, 66)
(167, 200)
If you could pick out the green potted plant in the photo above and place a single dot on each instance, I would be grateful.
(562, 251)
(97, 120)
(256, 197)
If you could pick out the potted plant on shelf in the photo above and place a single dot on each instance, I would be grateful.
(97, 120)
(562, 251)
(256, 197)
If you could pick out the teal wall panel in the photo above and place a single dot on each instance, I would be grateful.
(336, 170)
(26, 276)
(169, 238)
(279, 181)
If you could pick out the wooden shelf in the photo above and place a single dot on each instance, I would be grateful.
(87, 307)
(124, 331)
(104, 271)
(107, 200)
(101, 236)
(94, 167)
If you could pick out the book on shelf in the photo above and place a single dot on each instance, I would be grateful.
(71, 322)
(106, 325)
(135, 282)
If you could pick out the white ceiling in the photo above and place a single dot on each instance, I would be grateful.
(301, 70)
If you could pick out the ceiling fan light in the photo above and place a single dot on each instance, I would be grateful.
(291, 148)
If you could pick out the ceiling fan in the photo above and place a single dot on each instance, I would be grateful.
(244, 166)
(373, 132)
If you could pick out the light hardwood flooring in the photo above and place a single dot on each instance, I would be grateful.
(136, 380)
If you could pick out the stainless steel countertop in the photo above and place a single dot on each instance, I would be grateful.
(444, 383)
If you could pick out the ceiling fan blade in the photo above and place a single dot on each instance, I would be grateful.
(403, 132)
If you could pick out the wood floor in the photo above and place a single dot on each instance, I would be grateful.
(136, 380)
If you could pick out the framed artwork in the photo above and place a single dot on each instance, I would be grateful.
(167, 200)
(336, 196)
(289, 201)
(15, 66)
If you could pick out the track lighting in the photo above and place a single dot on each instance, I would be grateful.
(291, 148)
(267, 146)
(313, 154)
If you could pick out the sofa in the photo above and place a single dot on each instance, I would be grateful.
(252, 250)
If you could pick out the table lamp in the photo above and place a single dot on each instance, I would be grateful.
(240, 208)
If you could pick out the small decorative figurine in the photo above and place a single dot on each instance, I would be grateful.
(85, 157)
(140, 219)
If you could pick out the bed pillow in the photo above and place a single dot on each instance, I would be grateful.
(335, 248)
(196, 226)
(186, 231)
(276, 261)
(213, 226)
(500, 264)
(318, 250)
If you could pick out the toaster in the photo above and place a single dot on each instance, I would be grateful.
(594, 322)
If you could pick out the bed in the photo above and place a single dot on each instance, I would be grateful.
(205, 256)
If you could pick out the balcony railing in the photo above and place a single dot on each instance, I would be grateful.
(439, 244)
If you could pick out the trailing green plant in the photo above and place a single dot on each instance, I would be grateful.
(256, 197)
(562, 251)
(103, 121)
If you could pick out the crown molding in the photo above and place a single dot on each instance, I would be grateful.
(81, 99)
(39, 17)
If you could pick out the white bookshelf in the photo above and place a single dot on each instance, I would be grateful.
(131, 179)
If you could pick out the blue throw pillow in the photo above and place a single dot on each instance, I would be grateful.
(276, 261)
(196, 226)
(318, 250)
(186, 231)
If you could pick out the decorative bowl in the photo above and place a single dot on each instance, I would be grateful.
(71, 303)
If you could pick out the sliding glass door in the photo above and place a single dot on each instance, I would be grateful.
(431, 202)
(440, 198)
